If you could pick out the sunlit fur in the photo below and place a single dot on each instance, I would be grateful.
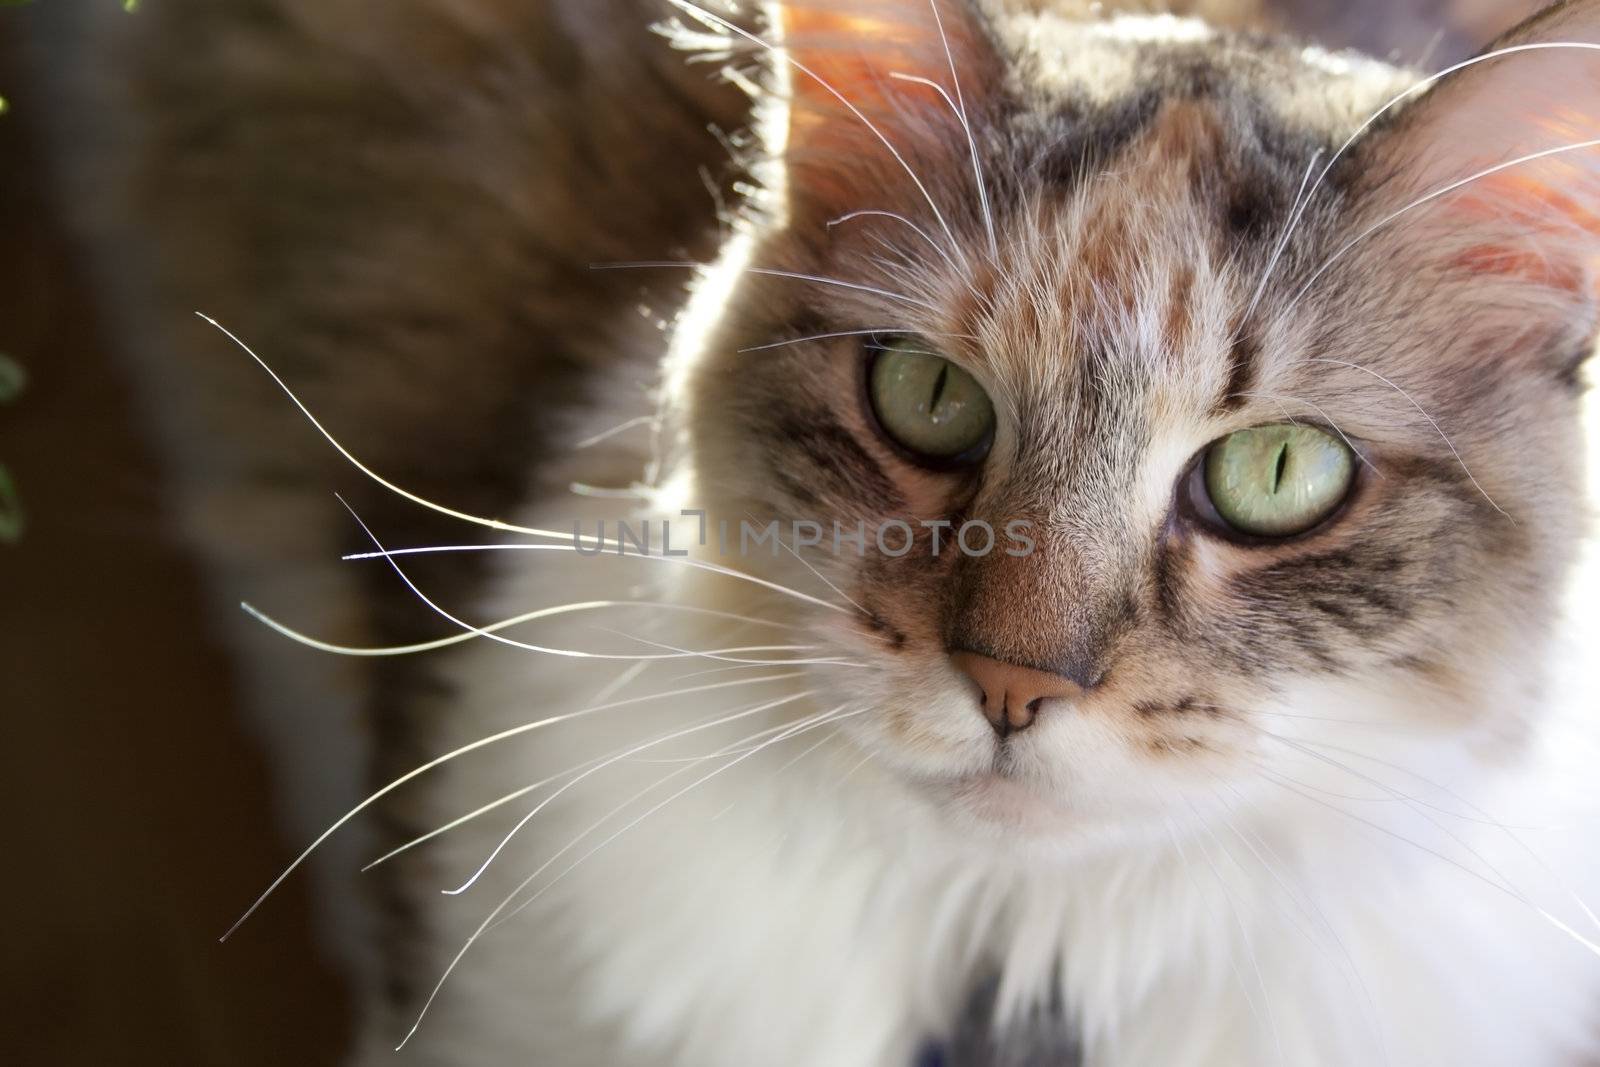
(1330, 802)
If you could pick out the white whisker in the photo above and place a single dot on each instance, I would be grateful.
(493, 524)
(506, 903)
(1411, 91)
(851, 333)
(1354, 451)
(1508, 890)
(897, 217)
(519, 546)
(1428, 198)
(1283, 782)
(1282, 243)
(1314, 914)
(716, 654)
(513, 796)
(472, 747)
(1189, 870)
(804, 726)
(698, 12)
(516, 620)
(960, 108)
(645, 746)
(771, 272)
(1390, 792)
(1244, 931)
(1485, 817)
(1431, 422)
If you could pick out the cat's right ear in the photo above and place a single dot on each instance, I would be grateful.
(1492, 177)
(882, 97)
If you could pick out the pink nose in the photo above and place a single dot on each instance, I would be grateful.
(1011, 693)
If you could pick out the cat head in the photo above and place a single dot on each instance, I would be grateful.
(1267, 393)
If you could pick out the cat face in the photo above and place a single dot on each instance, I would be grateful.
(1277, 457)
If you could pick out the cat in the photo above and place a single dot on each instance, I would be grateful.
(1129, 544)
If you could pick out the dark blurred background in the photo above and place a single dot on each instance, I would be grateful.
(137, 813)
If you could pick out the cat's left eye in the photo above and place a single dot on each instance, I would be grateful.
(927, 405)
(1276, 481)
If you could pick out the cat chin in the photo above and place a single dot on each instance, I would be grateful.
(1004, 805)
(1010, 818)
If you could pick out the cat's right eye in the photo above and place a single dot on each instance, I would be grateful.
(1274, 481)
(927, 405)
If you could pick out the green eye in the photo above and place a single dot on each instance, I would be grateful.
(927, 404)
(1278, 481)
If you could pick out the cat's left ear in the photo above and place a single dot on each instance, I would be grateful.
(1497, 166)
(871, 80)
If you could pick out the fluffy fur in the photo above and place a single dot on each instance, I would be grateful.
(1319, 802)
(1296, 820)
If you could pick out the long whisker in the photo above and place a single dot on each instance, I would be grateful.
(1282, 243)
(1332, 794)
(1286, 783)
(516, 620)
(621, 682)
(1313, 913)
(519, 546)
(1325, 418)
(972, 143)
(744, 744)
(456, 753)
(771, 272)
(461, 820)
(897, 217)
(804, 726)
(1508, 890)
(1427, 199)
(533, 787)
(635, 750)
(715, 654)
(506, 903)
(1189, 869)
(822, 578)
(698, 12)
(1431, 422)
(527, 646)
(852, 333)
(1391, 792)
(1244, 932)
(369, 473)
(493, 524)
(1485, 817)
(1413, 90)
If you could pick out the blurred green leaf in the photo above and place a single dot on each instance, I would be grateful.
(13, 379)
(11, 517)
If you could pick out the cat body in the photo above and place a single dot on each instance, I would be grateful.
(1180, 789)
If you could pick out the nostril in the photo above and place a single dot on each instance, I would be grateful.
(1010, 695)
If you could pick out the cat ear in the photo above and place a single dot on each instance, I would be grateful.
(1499, 162)
(881, 97)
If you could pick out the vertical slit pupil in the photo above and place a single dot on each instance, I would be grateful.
(938, 388)
(1278, 468)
